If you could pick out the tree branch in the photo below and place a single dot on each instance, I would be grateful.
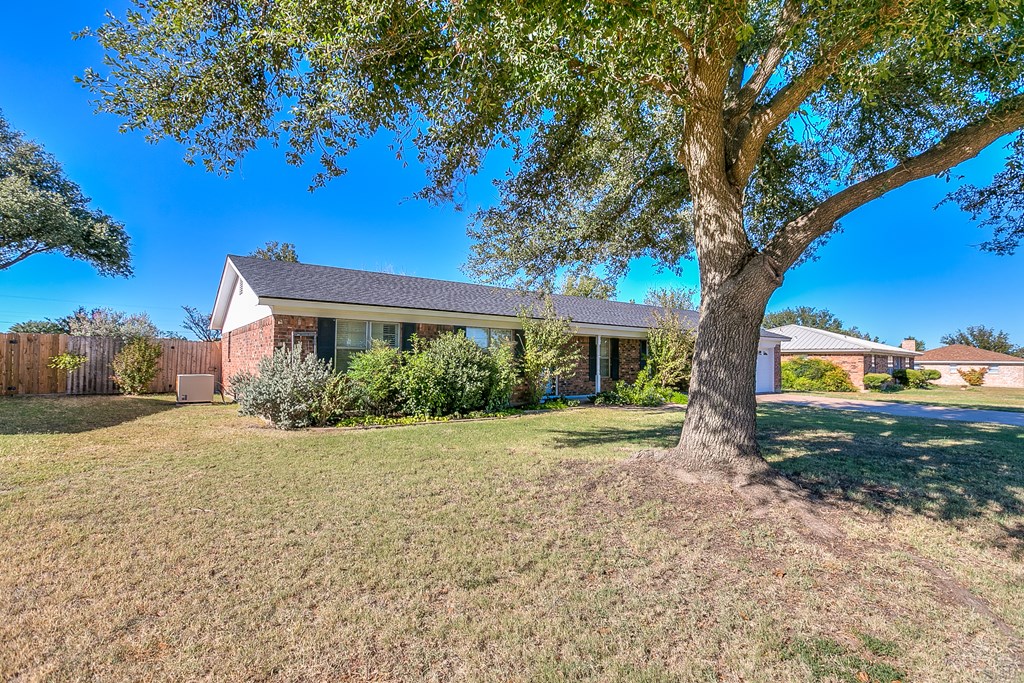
(788, 98)
(955, 148)
(769, 62)
(31, 251)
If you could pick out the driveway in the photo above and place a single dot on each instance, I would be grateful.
(928, 412)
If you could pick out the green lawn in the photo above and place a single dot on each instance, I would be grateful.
(144, 541)
(990, 398)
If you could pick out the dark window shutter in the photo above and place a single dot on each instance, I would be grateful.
(643, 354)
(325, 330)
(593, 358)
(459, 328)
(615, 358)
(408, 330)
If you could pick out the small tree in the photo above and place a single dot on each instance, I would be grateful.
(670, 344)
(549, 350)
(199, 324)
(136, 365)
(973, 376)
(106, 322)
(277, 251)
(39, 327)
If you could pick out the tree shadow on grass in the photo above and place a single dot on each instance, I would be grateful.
(943, 469)
(74, 414)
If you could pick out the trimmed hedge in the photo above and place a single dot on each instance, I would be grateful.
(880, 381)
(915, 379)
(814, 374)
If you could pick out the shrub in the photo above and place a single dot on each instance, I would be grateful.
(643, 392)
(67, 361)
(339, 398)
(915, 379)
(815, 374)
(670, 349)
(880, 381)
(448, 375)
(376, 376)
(288, 389)
(504, 376)
(974, 376)
(136, 365)
(931, 374)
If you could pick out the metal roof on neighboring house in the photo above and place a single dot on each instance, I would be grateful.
(962, 353)
(812, 340)
(327, 284)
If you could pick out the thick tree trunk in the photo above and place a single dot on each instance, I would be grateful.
(719, 433)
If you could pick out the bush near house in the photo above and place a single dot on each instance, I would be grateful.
(288, 389)
(880, 381)
(916, 379)
(135, 365)
(451, 375)
(974, 377)
(814, 374)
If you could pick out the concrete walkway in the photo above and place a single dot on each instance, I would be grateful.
(930, 412)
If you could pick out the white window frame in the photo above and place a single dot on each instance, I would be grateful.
(367, 335)
(993, 369)
(602, 358)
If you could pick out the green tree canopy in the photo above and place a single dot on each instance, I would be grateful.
(42, 211)
(39, 327)
(587, 285)
(678, 298)
(739, 132)
(277, 251)
(819, 318)
(983, 337)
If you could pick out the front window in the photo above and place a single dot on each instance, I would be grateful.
(993, 369)
(356, 336)
(605, 358)
(485, 337)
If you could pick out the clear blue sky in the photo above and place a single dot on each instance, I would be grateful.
(899, 267)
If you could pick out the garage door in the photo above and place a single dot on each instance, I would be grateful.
(765, 370)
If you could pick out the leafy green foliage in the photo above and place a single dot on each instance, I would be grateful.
(975, 377)
(814, 374)
(915, 379)
(982, 337)
(136, 365)
(449, 375)
(821, 319)
(880, 381)
(277, 251)
(67, 361)
(106, 322)
(199, 324)
(678, 298)
(43, 211)
(39, 327)
(377, 376)
(288, 389)
(549, 350)
(670, 343)
(587, 285)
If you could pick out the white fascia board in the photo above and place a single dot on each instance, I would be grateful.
(970, 362)
(228, 279)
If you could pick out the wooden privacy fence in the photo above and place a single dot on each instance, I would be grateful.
(24, 359)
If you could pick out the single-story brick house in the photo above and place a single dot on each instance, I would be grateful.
(857, 356)
(337, 312)
(1003, 370)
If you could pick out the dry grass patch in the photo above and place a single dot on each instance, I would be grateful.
(144, 541)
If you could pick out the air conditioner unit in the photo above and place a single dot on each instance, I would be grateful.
(195, 388)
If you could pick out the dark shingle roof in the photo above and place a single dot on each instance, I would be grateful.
(327, 284)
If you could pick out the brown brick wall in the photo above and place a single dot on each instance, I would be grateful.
(242, 349)
(579, 384)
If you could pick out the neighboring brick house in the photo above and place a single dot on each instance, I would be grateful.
(1003, 370)
(336, 312)
(857, 356)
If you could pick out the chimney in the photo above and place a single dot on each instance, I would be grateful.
(910, 344)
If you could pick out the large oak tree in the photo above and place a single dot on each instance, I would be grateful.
(738, 132)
